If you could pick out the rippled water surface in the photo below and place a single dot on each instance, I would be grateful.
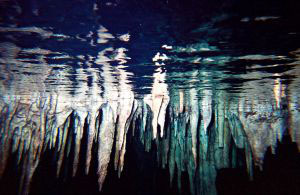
(189, 81)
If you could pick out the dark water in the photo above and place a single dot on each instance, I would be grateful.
(203, 93)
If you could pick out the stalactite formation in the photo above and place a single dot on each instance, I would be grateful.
(196, 135)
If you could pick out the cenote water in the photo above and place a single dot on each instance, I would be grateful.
(192, 97)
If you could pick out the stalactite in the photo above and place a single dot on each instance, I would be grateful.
(124, 111)
(30, 162)
(155, 104)
(65, 129)
(166, 143)
(190, 139)
(91, 133)
(148, 135)
(191, 159)
(162, 114)
(6, 135)
(194, 118)
(145, 116)
(206, 105)
(105, 141)
(220, 118)
(123, 149)
(173, 136)
(77, 132)
(135, 119)
(227, 144)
